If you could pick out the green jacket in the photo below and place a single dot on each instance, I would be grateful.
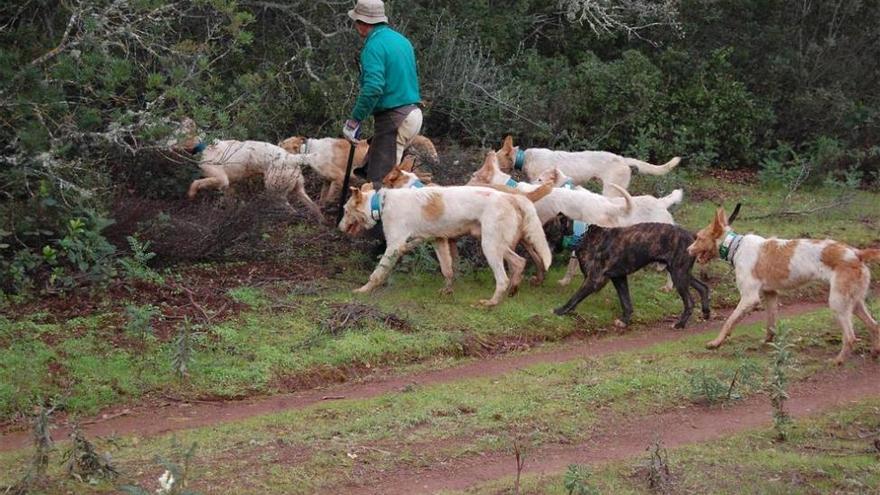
(389, 77)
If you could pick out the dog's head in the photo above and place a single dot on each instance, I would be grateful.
(185, 137)
(356, 213)
(554, 177)
(708, 240)
(506, 155)
(487, 173)
(293, 144)
(401, 175)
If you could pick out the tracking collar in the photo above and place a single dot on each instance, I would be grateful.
(417, 184)
(198, 148)
(729, 246)
(304, 148)
(520, 159)
(578, 229)
(376, 207)
(511, 183)
(568, 184)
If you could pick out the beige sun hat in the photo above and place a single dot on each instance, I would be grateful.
(368, 11)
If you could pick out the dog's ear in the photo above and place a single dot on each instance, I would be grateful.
(719, 222)
(735, 214)
(408, 163)
(554, 175)
(491, 161)
(508, 143)
(392, 176)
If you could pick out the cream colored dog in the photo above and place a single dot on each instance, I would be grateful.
(764, 267)
(581, 165)
(647, 209)
(581, 205)
(331, 158)
(402, 176)
(224, 162)
(498, 218)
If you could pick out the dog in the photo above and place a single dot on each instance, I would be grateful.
(583, 205)
(647, 209)
(224, 162)
(613, 253)
(764, 267)
(581, 165)
(331, 158)
(402, 176)
(499, 219)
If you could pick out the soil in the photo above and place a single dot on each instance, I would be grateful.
(167, 416)
(617, 439)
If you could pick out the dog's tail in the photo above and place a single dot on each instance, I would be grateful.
(627, 199)
(533, 234)
(651, 169)
(868, 255)
(672, 198)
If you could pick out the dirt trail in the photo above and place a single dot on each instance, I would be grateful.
(150, 421)
(618, 439)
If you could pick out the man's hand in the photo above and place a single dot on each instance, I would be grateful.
(352, 130)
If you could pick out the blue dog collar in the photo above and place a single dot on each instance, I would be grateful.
(520, 159)
(376, 207)
(578, 230)
(729, 246)
(198, 148)
(511, 183)
(417, 184)
(568, 184)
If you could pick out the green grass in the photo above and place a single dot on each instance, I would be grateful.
(832, 453)
(423, 425)
(281, 340)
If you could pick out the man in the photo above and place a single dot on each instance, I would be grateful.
(389, 90)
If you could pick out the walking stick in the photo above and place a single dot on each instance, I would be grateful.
(343, 196)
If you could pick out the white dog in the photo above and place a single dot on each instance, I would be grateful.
(331, 158)
(225, 161)
(499, 219)
(647, 209)
(581, 165)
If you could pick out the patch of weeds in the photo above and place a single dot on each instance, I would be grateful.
(83, 463)
(35, 476)
(139, 320)
(656, 470)
(183, 350)
(251, 296)
(176, 478)
(710, 388)
(577, 481)
(345, 316)
(782, 357)
(135, 266)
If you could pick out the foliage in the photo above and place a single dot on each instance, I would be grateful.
(176, 478)
(139, 319)
(576, 480)
(135, 266)
(183, 349)
(711, 388)
(780, 368)
(83, 463)
(43, 447)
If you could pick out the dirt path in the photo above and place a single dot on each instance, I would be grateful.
(150, 421)
(618, 440)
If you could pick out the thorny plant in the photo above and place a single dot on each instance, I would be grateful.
(780, 366)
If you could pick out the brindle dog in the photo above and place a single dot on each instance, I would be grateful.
(613, 253)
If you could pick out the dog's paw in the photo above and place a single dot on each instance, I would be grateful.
(446, 291)
(564, 282)
(620, 323)
(707, 316)
(536, 280)
(666, 289)
(362, 290)
(559, 311)
(678, 325)
(714, 344)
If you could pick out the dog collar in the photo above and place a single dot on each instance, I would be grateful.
(376, 207)
(417, 184)
(304, 148)
(511, 183)
(729, 246)
(578, 229)
(520, 159)
(198, 148)
(568, 184)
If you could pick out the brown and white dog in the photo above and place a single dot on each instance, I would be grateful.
(499, 219)
(224, 162)
(331, 158)
(579, 165)
(402, 176)
(766, 266)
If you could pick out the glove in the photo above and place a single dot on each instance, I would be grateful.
(352, 130)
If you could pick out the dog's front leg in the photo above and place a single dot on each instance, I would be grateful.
(570, 270)
(589, 286)
(746, 304)
(393, 252)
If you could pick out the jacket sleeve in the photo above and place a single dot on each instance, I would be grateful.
(372, 83)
